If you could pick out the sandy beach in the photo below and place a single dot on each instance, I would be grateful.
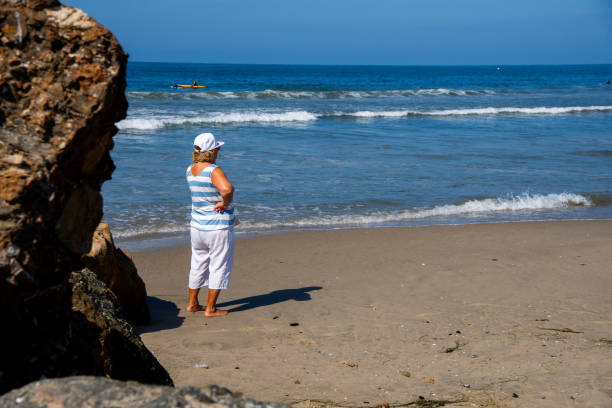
(512, 314)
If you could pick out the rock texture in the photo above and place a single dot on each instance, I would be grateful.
(120, 353)
(62, 82)
(101, 392)
(115, 268)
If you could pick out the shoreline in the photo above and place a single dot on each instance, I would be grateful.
(391, 314)
(156, 241)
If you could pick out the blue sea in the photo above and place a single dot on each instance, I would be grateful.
(326, 147)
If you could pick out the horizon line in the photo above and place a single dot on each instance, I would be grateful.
(371, 65)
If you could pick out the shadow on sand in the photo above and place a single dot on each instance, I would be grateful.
(277, 296)
(164, 316)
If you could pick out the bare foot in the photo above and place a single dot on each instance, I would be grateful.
(196, 308)
(215, 313)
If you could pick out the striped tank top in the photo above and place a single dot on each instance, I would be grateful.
(204, 196)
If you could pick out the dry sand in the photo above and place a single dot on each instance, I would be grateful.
(469, 313)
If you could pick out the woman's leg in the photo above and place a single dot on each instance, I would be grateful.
(221, 261)
(199, 273)
(211, 305)
(194, 305)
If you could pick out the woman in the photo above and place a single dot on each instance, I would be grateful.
(212, 225)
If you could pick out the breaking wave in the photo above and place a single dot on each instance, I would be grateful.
(474, 208)
(477, 111)
(152, 123)
(487, 206)
(218, 118)
(278, 94)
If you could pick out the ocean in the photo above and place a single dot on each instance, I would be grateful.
(326, 147)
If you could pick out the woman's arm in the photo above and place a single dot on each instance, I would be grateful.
(219, 180)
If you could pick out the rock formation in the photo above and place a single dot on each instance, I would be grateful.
(115, 268)
(101, 392)
(62, 82)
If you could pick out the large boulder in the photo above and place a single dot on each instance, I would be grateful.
(62, 83)
(119, 351)
(101, 392)
(115, 267)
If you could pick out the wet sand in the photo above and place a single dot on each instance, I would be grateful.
(472, 313)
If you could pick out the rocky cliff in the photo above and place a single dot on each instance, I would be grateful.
(62, 82)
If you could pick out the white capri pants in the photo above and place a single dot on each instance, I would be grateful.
(212, 258)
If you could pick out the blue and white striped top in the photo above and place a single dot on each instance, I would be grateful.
(204, 196)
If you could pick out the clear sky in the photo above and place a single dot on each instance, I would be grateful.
(371, 32)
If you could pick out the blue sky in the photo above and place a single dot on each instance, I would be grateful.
(371, 32)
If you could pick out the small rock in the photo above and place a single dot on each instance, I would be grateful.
(294, 324)
(237, 368)
(297, 382)
(200, 366)
(275, 317)
(405, 373)
(494, 259)
(474, 355)
(467, 385)
(514, 395)
(458, 332)
(421, 397)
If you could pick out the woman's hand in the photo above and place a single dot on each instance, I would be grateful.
(220, 207)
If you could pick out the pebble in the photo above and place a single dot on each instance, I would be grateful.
(275, 317)
(467, 385)
(514, 395)
(474, 355)
(421, 397)
(200, 366)
(294, 324)
(458, 332)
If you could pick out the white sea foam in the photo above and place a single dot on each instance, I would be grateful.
(216, 118)
(489, 206)
(278, 94)
(475, 208)
(166, 229)
(152, 123)
(476, 111)
(529, 111)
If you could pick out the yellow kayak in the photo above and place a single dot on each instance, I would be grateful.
(188, 86)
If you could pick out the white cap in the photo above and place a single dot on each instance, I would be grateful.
(205, 142)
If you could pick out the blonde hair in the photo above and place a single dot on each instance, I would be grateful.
(209, 156)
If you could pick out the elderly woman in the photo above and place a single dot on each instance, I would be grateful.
(212, 225)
